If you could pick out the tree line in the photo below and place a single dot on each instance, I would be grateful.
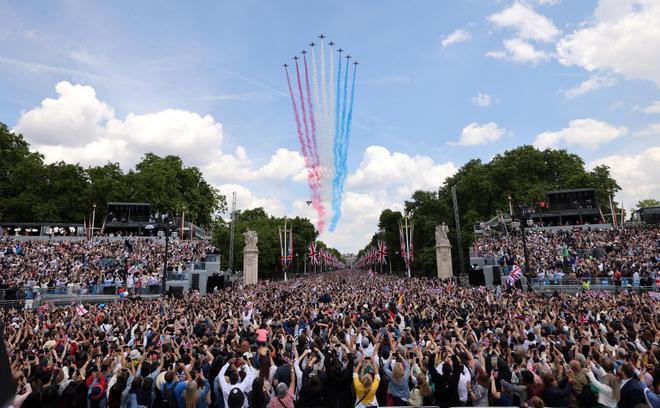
(34, 191)
(482, 189)
(267, 229)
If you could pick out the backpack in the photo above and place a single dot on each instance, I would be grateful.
(588, 397)
(169, 400)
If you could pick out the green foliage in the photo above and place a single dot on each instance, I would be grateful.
(33, 191)
(267, 229)
(525, 173)
(648, 202)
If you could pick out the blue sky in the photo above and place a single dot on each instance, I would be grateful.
(139, 75)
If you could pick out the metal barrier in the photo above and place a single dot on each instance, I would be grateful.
(594, 280)
(89, 290)
(551, 288)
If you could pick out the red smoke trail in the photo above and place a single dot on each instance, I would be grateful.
(297, 118)
(313, 148)
(308, 139)
(313, 170)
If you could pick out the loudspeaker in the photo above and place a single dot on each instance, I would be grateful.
(176, 292)
(215, 281)
(497, 275)
(476, 277)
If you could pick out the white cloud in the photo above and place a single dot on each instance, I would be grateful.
(72, 119)
(518, 50)
(587, 133)
(527, 23)
(549, 2)
(476, 134)
(651, 130)
(652, 108)
(637, 174)
(593, 83)
(456, 36)
(247, 200)
(621, 38)
(482, 99)
(379, 167)
(382, 180)
(78, 127)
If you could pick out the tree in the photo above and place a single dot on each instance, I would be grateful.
(267, 229)
(31, 191)
(648, 202)
(170, 187)
(525, 174)
(20, 177)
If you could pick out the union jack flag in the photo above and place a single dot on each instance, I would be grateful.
(289, 256)
(381, 252)
(313, 254)
(514, 275)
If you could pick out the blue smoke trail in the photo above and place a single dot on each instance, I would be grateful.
(340, 158)
(337, 139)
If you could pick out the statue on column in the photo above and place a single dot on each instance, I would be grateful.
(250, 258)
(251, 238)
(441, 233)
(443, 252)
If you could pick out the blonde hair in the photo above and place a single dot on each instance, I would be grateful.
(612, 381)
(190, 394)
(366, 381)
(423, 384)
(397, 373)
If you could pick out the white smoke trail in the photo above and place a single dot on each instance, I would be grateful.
(331, 123)
(324, 131)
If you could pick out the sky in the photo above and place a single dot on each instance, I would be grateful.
(439, 83)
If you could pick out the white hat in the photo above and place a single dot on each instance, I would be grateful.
(134, 355)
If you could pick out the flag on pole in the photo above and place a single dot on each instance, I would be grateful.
(289, 257)
(514, 275)
(312, 252)
(411, 250)
(382, 252)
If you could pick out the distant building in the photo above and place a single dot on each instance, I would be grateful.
(349, 258)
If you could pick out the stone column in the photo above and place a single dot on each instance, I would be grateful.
(443, 252)
(250, 258)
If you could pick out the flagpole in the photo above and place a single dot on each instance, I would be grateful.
(407, 239)
(286, 251)
(612, 212)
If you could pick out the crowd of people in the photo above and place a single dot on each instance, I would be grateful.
(342, 339)
(81, 263)
(618, 253)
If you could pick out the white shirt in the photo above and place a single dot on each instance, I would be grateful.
(604, 391)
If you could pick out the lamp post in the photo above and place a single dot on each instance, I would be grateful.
(398, 263)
